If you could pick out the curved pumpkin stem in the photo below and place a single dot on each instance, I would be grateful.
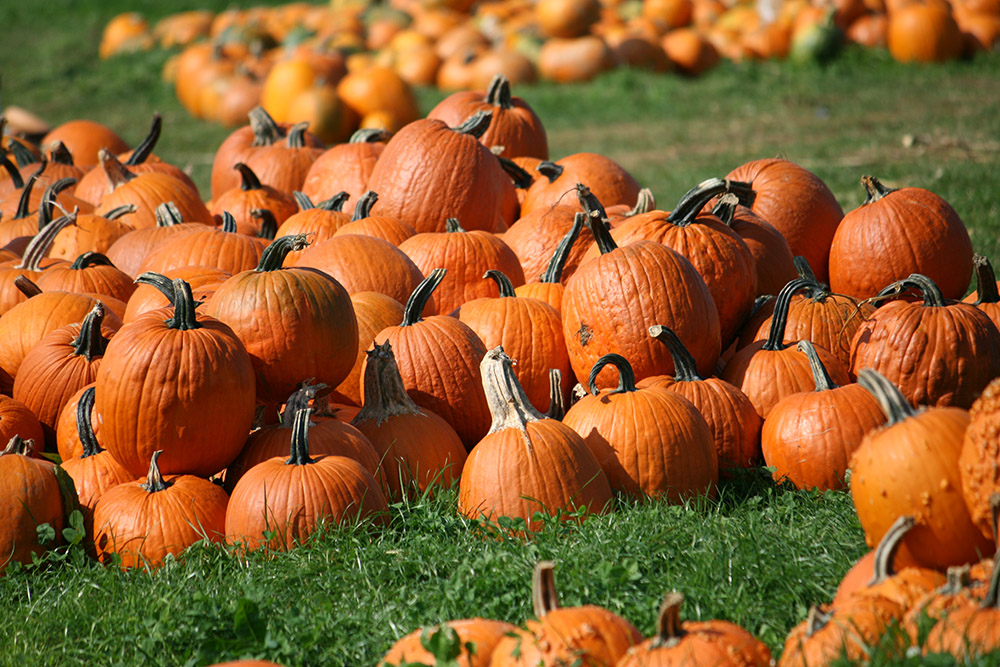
(779, 319)
(265, 130)
(557, 406)
(685, 367)
(85, 425)
(927, 288)
(23, 209)
(520, 176)
(503, 282)
(817, 620)
(553, 274)
(61, 155)
(498, 94)
(725, 208)
(550, 170)
(39, 245)
(302, 200)
(300, 439)
(18, 445)
(120, 211)
(296, 137)
(626, 376)
(154, 479)
(820, 376)
(333, 204)
(91, 343)
(27, 287)
(248, 179)
(476, 125)
(116, 173)
(370, 135)
(693, 201)
(299, 400)
(668, 624)
(385, 395)
(15, 175)
(544, 596)
(453, 226)
(90, 258)
(986, 281)
(145, 149)
(160, 282)
(597, 219)
(874, 190)
(887, 547)
(229, 223)
(894, 405)
(167, 214)
(363, 208)
(22, 155)
(644, 203)
(274, 254)
(184, 304)
(49, 200)
(505, 396)
(268, 223)
(418, 299)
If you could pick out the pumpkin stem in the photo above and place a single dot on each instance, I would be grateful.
(303, 200)
(553, 274)
(49, 201)
(385, 395)
(61, 155)
(116, 173)
(820, 376)
(887, 547)
(544, 596)
(894, 405)
(804, 270)
(142, 152)
(505, 396)
(453, 226)
(498, 94)
(476, 125)
(154, 479)
(626, 376)
(334, 204)
(557, 405)
(18, 445)
(120, 211)
(27, 286)
(779, 319)
(184, 304)
(363, 208)
(668, 623)
(297, 135)
(503, 282)
(927, 288)
(229, 223)
(299, 400)
(597, 219)
(644, 203)
(91, 343)
(300, 439)
(15, 175)
(986, 281)
(874, 189)
(167, 214)
(22, 155)
(39, 245)
(274, 254)
(685, 367)
(268, 223)
(725, 208)
(23, 209)
(87, 259)
(418, 299)
(550, 170)
(817, 620)
(85, 424)
(693, 201)
(369, 135)
(248, 179)
(265, 130)
(160, 282)
(992, 599)
(956, 579)
(520, 176)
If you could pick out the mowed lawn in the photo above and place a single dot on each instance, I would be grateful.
(759, 554)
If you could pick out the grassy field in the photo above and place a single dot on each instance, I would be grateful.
(759, 555)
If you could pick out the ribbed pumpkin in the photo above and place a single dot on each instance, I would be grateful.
(610, 303)
(346, 167)
(33, 262)
(374, 312)
(85, 139)
(90, 273)
(483, 634)
(129, 252)
(91, 232)
(910, 466)
(384, 227)
(535, 237)
(430, 172)
(648, 441)
(17, 419)
(204, 280)
(164, 383)
(141, 522)
(772, 255)
(220, 247)
(730, 415)
(527, 463)
(588, 634)
(319, 220)
(970, 630)
(417, 449)
(846, 630)
(279, 503)
(677, 643)
(550, 287)
(894, 233)
(937, 352)
(608, 180)
(253, 194)
(295, 323)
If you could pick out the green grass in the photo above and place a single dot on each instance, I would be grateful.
(759, 556)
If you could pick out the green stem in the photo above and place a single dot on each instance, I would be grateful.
(363, 208)
(18, 445)
(297, 135)
(265, 130)
(167, 214)
(369, 135)
(268, 223)
(725, 208)
(550, 170)
(927, 288)
(418, 299)
(668, 624)
(300, 439)
(986, 281)
(273, 257)
(85, 424)
(49, 200)
(27, 287)
(184, 318)
(299, 400)
(145, 149)
(685, 367)
(248, 179)
(476, 125)
(116, 173)
(88, 259)
(160, 282)
(820, 376)
(40, 244)
(694, 200)
(229, 223)
(154, 479)
(61, 155)
(553, 274)
(503, 282)
(120, 211)
(91, 343)
(887, 547)
(520, 176)
(557, 405)
(894, 405)
(22, 156)
(498, 93)
(779, 319)
(15, 175)
(24, 201)
(597, 219)
(874, 190)
(453, 226)
(626, 376)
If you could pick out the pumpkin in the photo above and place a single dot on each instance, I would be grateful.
(477, 637)
(128, 252)
(847, 630)
(648, 441)
(558, 635)
(374, 312)
(979, 460)
(32, 263)
(927, 485)
(162, 381)
(279, 503)
(92, 233)
(17, 419)
(141, 522)
(550, 287)
(773, 258)
(204, 280)
(695, 642)
(223, 248)
(85, 139)
(346, 167)
(253, 194)
(924, 31)
(393, 230)
(894, 233)
(527, 463)
(90, 273)
(971, 629)
(30, 495)
(535, 237)
(986, 297)
(284, 165)
(609, 182)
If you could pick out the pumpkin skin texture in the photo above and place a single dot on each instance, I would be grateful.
(526, 462)
(696, 643)
(937, 352)
(291, 497)
(346, 167)
(374, 312)
(772, 255)
(648, 441)
(894, 233)
(605, 178)
(588, 634)
(535, 237)
(845, 630)
(484, 633)
(222, 248)
(924, 32)
(160, 385)
(17, 419)
(430, 172)
(979, 460)
(970, 629)
(144, 520)
(910, 466)
(798, 203)
(29, 495)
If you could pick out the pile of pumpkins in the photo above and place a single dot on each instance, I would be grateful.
(318, 364)
(351, 64)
